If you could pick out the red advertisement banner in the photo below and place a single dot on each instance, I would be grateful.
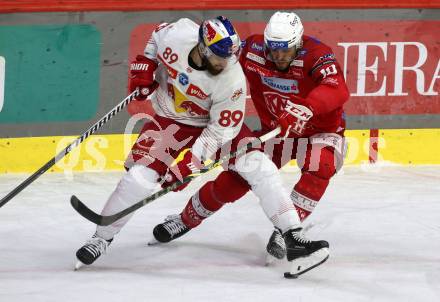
(391, 67)
(14, 6)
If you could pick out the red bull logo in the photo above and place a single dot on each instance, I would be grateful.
(209, 32)
(193, 108)
(236, 95)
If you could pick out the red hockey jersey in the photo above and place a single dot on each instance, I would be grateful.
(314, 79)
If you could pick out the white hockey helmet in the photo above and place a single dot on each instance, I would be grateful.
(283, 31)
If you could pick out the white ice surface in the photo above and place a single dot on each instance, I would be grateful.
(383, 225)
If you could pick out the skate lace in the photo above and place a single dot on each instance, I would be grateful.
(278, 239)
(174, 225)
(96, 246)
(298, 237)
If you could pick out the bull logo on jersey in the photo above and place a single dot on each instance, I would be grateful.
(183, 104)
(193, 109)
(236, 95)
(281, 85)
(275, 102)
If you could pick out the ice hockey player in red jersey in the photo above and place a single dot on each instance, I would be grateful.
(297, 84)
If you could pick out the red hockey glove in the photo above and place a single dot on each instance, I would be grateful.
(141, 75)
(294, 119)
(190, 164)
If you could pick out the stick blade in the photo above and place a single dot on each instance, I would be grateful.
(85, 212)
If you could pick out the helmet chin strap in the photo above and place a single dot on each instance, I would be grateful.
(203, 53)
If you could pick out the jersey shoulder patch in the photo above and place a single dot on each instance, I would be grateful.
(316, 55)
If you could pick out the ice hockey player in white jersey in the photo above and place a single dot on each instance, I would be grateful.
(197, 88)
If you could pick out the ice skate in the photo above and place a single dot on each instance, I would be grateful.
(91, 251)
(276, 247)
(171, 229)
(303, 254)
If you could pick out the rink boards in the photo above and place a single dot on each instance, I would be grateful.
(107, 152)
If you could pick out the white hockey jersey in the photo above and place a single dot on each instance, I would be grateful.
(195, 97)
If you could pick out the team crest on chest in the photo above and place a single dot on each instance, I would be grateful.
(275, 102)
(236, 95)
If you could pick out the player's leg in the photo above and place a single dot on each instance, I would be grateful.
(205, 202)
(147, 161)
(261, 174)
(319, 157)
(137, 183)
(280, 151)
(323, 159)
(265, 181)
(226, 188)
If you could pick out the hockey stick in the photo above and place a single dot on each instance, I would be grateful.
(69, 148)
(84, 211)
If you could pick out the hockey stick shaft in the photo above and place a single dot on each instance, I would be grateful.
(69, 148)
(87, 213)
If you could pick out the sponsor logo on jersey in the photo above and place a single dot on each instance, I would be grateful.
(257, 46)
(255, 58)
(258, 69)
(327, 58)
(171, 71)
(281, 85)
(182, 104)
(236, 95)
(193, 109)
(183, 79)
(330, 81)
(297, 63)
(302, 52)
(195, 91)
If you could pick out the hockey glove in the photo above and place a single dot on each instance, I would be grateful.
(189, 165)
(141, 75)
(294, 119)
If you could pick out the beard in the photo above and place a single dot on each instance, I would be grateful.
(282, 66)
(211, 68)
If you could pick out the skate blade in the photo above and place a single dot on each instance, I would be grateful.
(304, 264)
(270, 260)
(78, 265)
(153, 242)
